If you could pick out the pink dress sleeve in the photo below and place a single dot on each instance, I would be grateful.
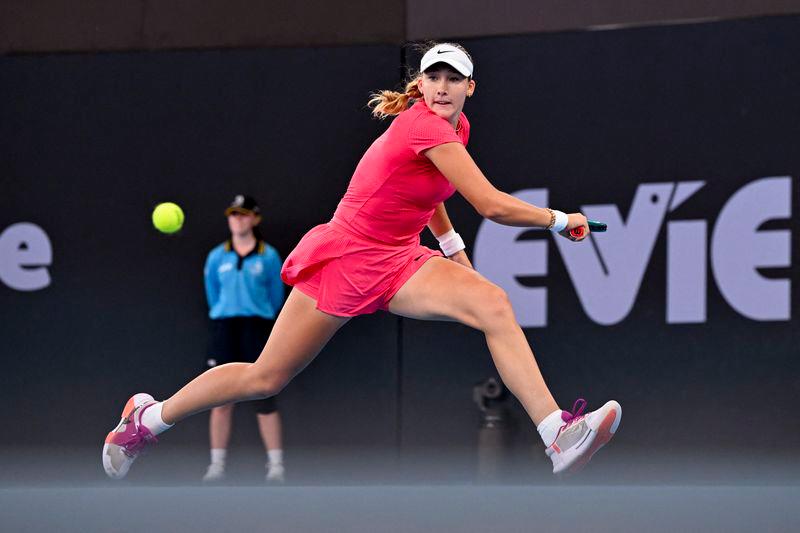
(429, 130)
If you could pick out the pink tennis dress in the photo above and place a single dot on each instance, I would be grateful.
(357, 262)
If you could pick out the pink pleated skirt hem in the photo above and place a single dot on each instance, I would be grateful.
(349, 275)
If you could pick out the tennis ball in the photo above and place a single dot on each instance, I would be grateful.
(168, 217)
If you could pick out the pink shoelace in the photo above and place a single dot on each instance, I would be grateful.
(576, 414)
(137, 442)
(134, 443)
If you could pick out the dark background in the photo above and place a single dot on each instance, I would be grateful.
(91, 142)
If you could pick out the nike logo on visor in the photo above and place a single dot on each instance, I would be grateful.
(443, 52)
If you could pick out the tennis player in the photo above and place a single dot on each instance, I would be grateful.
(369, 257)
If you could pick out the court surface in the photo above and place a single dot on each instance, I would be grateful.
(375, 492)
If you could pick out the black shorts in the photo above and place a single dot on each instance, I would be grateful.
(240, 340)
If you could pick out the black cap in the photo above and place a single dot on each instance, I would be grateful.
(243, 204)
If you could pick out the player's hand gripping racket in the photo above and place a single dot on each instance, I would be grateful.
(594, 225)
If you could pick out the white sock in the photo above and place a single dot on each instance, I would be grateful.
(218, 456)
(548, 428)
(275, 457)
(151, 418)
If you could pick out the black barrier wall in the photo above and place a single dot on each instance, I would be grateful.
(674, 130)
(668, 133)
(92, 142)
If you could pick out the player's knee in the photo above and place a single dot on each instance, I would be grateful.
(494, 308)
(267, 384)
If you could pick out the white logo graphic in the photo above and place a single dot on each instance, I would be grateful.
(256, 268)
(607, 271)
(224, 267)
(25, 254)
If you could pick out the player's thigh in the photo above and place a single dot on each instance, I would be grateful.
(444, 290)
(300, 332)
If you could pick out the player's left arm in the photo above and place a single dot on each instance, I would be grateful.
(440, 224)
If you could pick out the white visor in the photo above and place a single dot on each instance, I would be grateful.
(447, 53)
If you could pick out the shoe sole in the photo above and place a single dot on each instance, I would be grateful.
(132, 403)
(605, 431)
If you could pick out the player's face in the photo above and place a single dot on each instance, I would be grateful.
(241, 223)
(444, 91)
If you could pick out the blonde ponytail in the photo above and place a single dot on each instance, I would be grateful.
(390, 103)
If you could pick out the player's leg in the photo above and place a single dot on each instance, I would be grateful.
(444, 290)
(300, 332)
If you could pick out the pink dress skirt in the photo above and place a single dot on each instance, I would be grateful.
(349, 274)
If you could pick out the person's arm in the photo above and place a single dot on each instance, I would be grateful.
(455, 163)
(211, 279)
(440, 224)
(275, 287)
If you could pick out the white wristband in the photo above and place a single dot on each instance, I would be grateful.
(561, 221)
(450, 243)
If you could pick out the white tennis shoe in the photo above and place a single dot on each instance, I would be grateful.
(215, 473)
(125, 442)
(582, 435)
(275, 473)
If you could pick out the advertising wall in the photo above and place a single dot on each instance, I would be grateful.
(92, 142)
(683, 139)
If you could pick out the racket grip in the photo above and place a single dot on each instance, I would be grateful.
(594, 225)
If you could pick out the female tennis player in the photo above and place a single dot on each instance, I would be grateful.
(369, 257)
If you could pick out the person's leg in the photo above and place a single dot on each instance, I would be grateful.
(222, 349)
(219, 430)
(254, 335)
(444, 290)
(269, 426)
(300, 332)
(219, 426)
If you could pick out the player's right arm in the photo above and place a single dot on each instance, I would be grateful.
(455, 163)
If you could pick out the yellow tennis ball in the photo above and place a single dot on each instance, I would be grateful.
(168, 217)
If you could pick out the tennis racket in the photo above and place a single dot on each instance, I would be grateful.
(593, 226)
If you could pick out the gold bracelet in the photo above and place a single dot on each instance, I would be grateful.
(552, 218)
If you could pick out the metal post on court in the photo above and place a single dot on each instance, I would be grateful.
(493, 439)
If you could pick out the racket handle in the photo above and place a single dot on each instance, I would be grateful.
(576, 233)
(594, 225)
